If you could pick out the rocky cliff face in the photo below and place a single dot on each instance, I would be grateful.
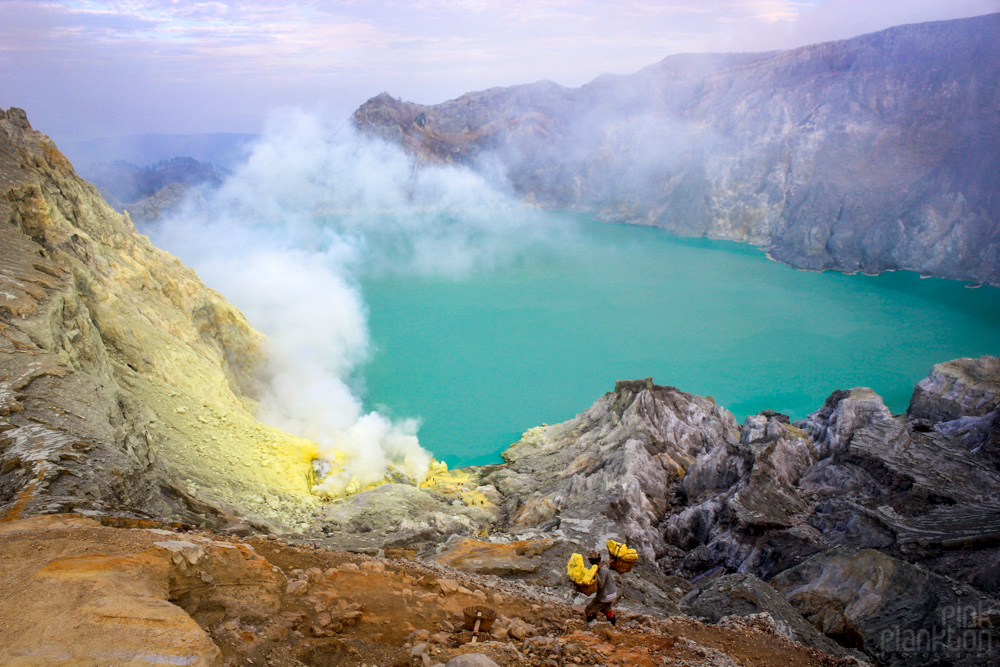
(124, 381)
(870, 527)
(869, 154)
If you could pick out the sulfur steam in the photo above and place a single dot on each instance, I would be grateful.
(287, 238)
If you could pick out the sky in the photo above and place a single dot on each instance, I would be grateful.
(105, 68)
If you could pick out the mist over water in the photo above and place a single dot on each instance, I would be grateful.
(463, 316)
(290, 234)
(485, 358)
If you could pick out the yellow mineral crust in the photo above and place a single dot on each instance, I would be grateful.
(182, 360)
(578, 572)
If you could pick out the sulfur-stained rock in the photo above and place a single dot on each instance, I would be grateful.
(118, 361)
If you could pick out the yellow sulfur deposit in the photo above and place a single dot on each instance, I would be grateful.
(620, 551)
(578, 572)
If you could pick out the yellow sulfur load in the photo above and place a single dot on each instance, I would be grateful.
(580, 573)
(620, 551)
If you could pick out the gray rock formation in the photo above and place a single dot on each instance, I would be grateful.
(897, 612)
(613, 472)
(671, 473)
(745, 595)
(961, 399)
(870, 154)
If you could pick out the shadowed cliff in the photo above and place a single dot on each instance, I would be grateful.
(875, 153)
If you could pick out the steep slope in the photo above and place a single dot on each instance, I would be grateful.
(125, 383)
(875, 153)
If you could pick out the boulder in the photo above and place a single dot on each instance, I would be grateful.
(499, 558)
(957, 388)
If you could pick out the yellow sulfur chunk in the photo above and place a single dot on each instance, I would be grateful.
(614, 548)
(621, 551)
(578, 572)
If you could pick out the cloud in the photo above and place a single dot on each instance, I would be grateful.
(287, 239)
(193, 66)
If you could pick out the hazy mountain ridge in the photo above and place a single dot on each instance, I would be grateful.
(226, 149)
(129, 182)
(875, 153)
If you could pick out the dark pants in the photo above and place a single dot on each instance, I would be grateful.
(594, 607)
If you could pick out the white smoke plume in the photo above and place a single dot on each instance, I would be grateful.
(286, 239)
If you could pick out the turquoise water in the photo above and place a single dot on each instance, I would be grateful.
(480, 359)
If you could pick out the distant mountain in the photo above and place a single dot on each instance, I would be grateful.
(128, 182)
(870, 154)
(224, 148)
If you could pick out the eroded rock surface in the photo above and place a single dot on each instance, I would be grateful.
(881, 604)
(125, 383)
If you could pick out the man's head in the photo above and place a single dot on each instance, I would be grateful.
(594, 556)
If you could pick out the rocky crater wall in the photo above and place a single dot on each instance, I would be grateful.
(870, 154)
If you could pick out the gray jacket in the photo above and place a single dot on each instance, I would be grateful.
(607, 591)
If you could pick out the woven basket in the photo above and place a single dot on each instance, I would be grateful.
(586, 589)
(485, 621)
(621, 566)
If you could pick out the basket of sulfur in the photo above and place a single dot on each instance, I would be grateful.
(583, 577)
(622, 558)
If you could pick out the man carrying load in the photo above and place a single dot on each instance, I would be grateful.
(607, 591)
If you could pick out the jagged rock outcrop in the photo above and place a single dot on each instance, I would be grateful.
(125, 383)
(672, 474)
(961, 399)
(612, 472)
(893, 610)
(869, 154)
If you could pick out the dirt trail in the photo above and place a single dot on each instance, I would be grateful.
(201, 598)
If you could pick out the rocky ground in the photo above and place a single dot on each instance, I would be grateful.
(852, 528)
(75, 592)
